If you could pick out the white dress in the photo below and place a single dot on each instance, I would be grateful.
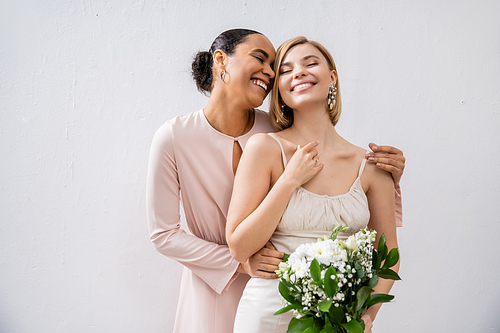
(308, 216)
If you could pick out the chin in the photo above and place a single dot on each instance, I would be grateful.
(256, 102)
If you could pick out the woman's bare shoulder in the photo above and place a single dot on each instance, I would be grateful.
(263, 145)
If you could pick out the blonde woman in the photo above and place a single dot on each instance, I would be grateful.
(298, 184)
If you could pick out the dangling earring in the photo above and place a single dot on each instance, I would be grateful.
(332, 91)
(223, 75)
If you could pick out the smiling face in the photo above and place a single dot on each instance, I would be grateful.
(304, 77)
(249, 71)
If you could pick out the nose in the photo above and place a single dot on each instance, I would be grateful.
(268, 71)
(299, 72)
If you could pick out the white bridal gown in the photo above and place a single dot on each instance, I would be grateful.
(308, 216)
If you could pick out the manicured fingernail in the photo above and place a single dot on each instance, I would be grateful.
(375, 148)
(371, 159)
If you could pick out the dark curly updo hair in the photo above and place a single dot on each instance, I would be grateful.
(201, 68)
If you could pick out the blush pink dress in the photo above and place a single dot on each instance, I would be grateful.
(191, 162)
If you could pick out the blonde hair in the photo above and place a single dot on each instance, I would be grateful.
(284, 119)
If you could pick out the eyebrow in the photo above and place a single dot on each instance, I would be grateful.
(305, 58)
(264, 53)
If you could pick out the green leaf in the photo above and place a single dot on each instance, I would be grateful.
(382, 248)
(388, 274)
(373, 281)
(285, 257)
(285, 292)
(360, 272)
(336, 314)
(287, 308)
(288, 284)
(378, 298)
(315, 271)
(300, 325)
(325, 305)
(329, 329)
(313, 329)
(331, 285)
(392, 258)
(353, 326)
(376, 260)
(362, 296)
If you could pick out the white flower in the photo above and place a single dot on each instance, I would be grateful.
(352, 244)
(301, 268)
(344, 256)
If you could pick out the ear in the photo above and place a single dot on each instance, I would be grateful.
(333, 77)
(220, 59)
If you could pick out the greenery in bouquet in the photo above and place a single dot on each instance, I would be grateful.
(329, 284)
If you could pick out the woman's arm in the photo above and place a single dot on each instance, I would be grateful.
(391, 160)
(210, 261)
(255, 209)
(381, 203)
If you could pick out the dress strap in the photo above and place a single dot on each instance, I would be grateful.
(281, 146)
(362, 166)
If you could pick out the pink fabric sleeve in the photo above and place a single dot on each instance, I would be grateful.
(398, 206)
(210, 261)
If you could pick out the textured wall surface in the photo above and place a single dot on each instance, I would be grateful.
(85, 84)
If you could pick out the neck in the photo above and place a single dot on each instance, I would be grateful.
(226, 116)
(314, 124)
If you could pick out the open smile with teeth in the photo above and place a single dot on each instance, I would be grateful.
(260, 84)
(303, 85)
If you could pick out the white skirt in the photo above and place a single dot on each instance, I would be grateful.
(255, 314)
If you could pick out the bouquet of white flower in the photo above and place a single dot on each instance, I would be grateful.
(328, 284)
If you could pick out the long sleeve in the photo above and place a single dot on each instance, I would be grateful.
(210, 261)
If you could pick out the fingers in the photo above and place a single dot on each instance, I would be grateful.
(270, 253)
(265, 263)
(309, 147)
(388, 157)
(265, 275)
(387, 161)
(373, 157)
(267, 267)
(270, 245)
(385, 149)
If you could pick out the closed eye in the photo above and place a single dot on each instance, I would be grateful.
(260, 59)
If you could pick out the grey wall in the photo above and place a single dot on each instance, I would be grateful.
(85, 84)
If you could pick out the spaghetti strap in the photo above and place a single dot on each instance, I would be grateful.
(362, 166)
(282, 151)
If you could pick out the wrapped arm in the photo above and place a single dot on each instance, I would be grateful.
(210, 261)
